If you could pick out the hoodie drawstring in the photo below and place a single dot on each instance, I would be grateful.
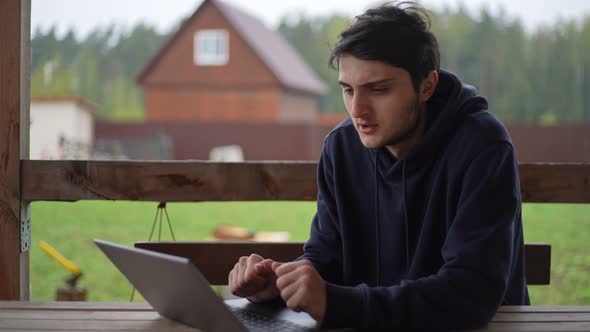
(377, 242)
(406, 216)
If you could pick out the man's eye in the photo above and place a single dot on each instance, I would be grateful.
(347, 91)
(378, 89)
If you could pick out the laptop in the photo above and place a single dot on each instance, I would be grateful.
(177, 290)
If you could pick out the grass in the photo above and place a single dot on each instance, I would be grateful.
(70, 228)
(567, 228)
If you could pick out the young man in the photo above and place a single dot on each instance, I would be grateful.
(419, 211)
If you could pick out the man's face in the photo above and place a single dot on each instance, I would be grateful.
(380, 99)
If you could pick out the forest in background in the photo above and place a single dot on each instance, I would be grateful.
(535, 76)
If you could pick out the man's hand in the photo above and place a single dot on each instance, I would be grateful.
(254, 278)
(302, 287)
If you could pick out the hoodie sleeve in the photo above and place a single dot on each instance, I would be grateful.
(477, 255)
(323, 248)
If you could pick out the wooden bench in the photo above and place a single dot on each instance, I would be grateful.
(216, 259)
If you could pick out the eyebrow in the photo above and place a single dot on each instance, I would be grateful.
(368, 84)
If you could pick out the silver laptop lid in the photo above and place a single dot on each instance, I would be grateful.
(173, 286)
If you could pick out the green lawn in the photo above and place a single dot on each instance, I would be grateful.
(70, 228)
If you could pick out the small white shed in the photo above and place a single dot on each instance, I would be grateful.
(62, 127)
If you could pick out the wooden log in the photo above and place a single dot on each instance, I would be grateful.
(192, 181)
(537, 258)
(216, 259)
(215, 267)
(555, 183)
(14, 132)
(168, 181)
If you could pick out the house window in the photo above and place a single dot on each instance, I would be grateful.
(211, 48)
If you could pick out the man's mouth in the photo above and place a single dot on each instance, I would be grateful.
(367, 128)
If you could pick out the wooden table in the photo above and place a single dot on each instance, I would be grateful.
(97, 316)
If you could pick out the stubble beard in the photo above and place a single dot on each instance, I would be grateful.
(411, 130)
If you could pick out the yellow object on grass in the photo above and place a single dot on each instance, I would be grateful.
(68, 264)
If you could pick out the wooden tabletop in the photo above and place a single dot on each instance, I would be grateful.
(100, 316)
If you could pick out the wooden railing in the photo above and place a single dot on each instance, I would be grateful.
(192, 181)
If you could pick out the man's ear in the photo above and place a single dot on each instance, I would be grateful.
(428, 86)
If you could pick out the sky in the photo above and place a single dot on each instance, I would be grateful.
(84, 15)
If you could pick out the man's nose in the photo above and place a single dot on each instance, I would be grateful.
(359, 106)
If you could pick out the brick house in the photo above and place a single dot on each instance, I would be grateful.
(224, 65)
(251, 89)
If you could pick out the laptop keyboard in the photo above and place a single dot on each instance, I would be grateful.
(257, 322)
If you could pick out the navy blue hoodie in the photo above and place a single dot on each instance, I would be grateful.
(431, 241)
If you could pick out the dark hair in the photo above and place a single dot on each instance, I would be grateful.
(395, 33)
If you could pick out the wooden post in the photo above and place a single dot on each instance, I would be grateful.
(14, 138)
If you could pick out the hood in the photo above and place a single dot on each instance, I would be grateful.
(448, 107)
(450, 104)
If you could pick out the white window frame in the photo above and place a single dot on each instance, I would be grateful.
(204, 55)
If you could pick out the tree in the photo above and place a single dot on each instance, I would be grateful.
(539, 76)
(102, 67)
